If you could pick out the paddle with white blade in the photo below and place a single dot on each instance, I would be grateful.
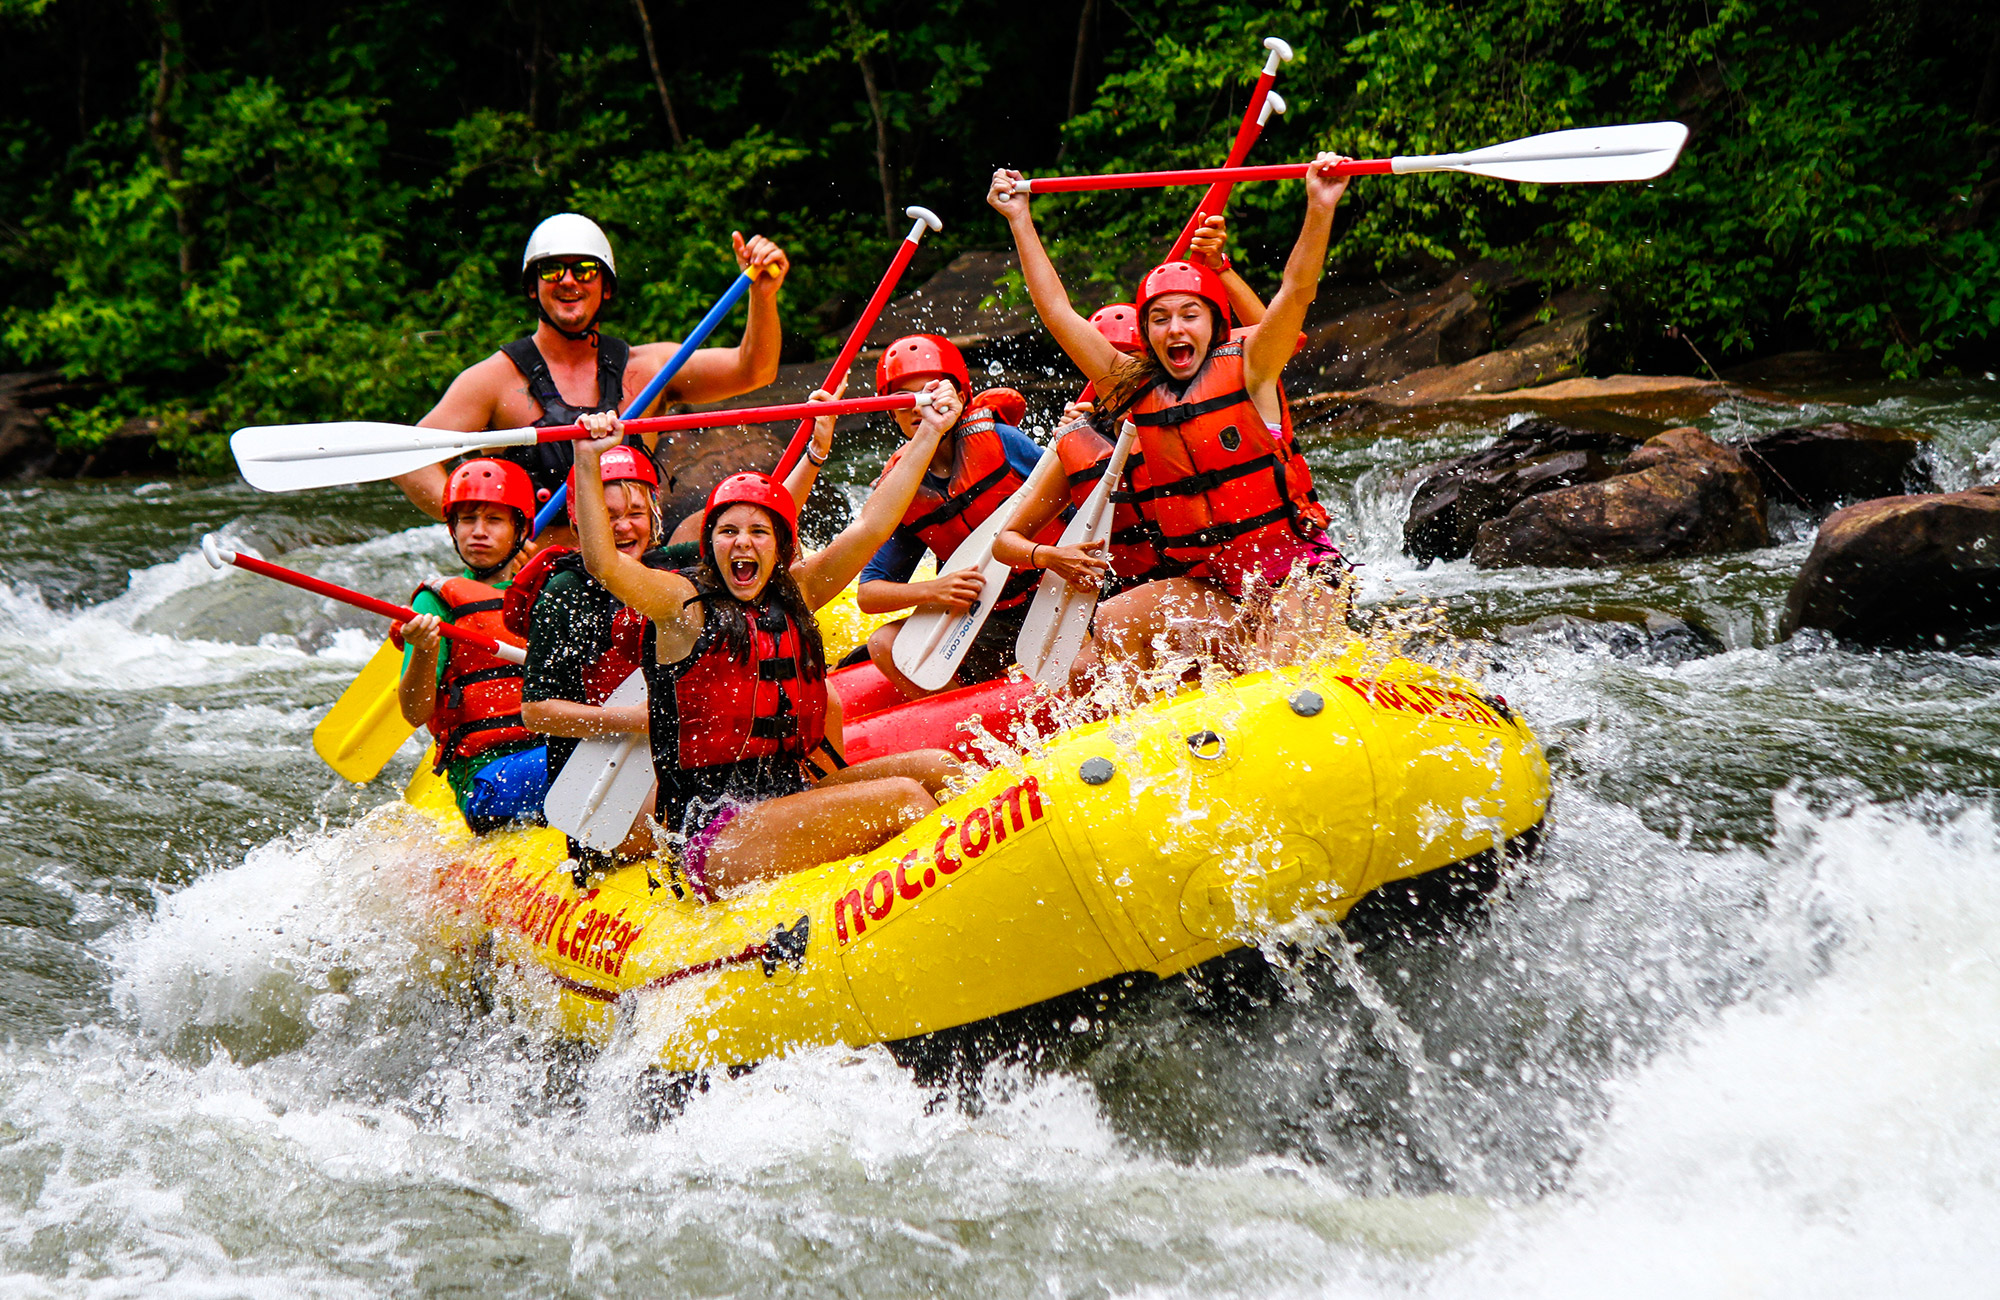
(934, 640)
(602, 789)
(1588, 155)
(1055, 627)
(294, 457)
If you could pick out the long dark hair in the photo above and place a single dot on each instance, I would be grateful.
(731, 618)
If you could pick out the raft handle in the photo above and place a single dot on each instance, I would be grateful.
(1207, 746)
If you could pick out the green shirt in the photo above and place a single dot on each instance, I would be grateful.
(459, 772)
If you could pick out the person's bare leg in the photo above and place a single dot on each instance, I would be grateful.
(1196, 616)
(934, 769)
(797, 831)
(882, 653)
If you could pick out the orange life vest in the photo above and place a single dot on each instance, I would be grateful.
(479, 700)
(1218, 478)
(981, 480)
(1135, 551)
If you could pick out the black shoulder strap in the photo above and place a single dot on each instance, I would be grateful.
(534, 367)
(613, 355)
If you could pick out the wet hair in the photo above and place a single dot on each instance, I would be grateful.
(732, 617)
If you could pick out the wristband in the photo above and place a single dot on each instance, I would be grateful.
(1033, 551)
(817, 460)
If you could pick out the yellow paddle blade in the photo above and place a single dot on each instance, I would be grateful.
(365, 727)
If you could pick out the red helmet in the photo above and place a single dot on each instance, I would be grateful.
(922, 356)
(1184, 277)
(500, 482)
(618, 465)
(751, 489)
(1119, 324)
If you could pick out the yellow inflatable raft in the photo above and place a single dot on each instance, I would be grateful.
(1149, 843)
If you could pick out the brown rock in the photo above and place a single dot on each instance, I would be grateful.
(1457, 496)
(1824, 465)
(1680, 494)
(1903, 569)
(694, 462)
(960, 302)
(1411, 332)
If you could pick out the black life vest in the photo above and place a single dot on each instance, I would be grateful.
(548, 463)
(723, 727)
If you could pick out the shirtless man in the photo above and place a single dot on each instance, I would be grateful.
(566, 368)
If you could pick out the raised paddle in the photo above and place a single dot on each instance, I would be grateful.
(553, 508)
(933, 641)
(293, 457)
(1060, 618)
(218, 555)
(604, 784)
(365, 727)
(925, 219)
(1589, 155)
(1263, 103)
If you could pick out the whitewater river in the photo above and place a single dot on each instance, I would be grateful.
(1737, 1033)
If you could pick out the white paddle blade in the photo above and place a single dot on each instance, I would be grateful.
(933, 641)
(1054, 631)
(294, 457)
(603, 787)
(1595, 154)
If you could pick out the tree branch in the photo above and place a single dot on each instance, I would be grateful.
(659, 80)
(166, 140)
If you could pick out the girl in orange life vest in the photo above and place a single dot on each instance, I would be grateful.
(582, 643)
(471, 698)
(1224, 485)
(733, 648)
(977, 466)
(1084, 444)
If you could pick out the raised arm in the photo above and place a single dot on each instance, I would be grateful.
(806, 473)
(1073, 334)
(1209, 247)
(713, 374)
(1271, 345)
(823, 574)
(659, 594)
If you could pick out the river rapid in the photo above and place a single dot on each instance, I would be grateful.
(1737, 1031)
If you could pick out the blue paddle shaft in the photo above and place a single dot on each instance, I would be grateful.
(654, 387)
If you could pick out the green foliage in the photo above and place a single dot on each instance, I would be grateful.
(352, 191)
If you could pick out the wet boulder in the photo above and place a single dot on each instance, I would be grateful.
(1535, 456)
(1414, 331)
(1903, 570)
(1821, 466)
(1679, 494)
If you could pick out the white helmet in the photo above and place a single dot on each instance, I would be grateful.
(568, 234)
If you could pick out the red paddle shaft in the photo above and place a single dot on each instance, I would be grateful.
(219, 556)
(745, 415)
(1199, 176)
(906, 250)
(1247, 132)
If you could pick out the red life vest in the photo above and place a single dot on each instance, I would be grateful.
(1219, 478)
(981, 481)
(1135, 551)
(628, 625)
(723, 726)
(479, 700)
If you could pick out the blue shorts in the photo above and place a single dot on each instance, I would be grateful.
(510, 788)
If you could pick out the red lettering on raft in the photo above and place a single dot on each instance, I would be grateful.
(1410, 697)
(983, 829)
